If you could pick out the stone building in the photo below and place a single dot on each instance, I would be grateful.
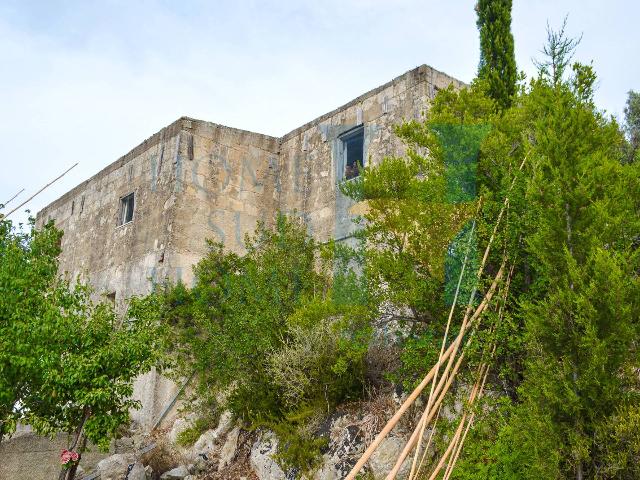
(145, 217)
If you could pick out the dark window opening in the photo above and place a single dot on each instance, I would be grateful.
(353, 151)
(111, 297)
(126, 209)
(73, 206)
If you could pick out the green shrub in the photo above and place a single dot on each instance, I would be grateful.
(298, 448)
(188, 437)
(322, 361)
(283, 327)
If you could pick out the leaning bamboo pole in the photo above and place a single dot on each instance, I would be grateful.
(416, 392)
(414, 438)
(428, 412)
(42, 189)
(3, 205)
(451, 465)
(444, 343)
(422, 460)
(414, 395)
(458, 441)
(481, 377)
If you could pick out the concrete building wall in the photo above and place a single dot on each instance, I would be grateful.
(196, 180)
(191, 181)
(227, 187)
(112, 257)
(310, 156)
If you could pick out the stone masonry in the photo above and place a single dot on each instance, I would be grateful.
(195, 180)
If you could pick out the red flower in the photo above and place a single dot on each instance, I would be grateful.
(65, 456)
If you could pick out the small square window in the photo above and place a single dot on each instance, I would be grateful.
(353, 152)
(126, 209)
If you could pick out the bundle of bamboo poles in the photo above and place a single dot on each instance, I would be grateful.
(441, 382)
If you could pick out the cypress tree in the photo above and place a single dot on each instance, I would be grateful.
(497, 57)
(632, 126)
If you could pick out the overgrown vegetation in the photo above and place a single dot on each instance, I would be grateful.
(568, 352)
(269, 338)
(66, 363)
(285, 333)
(632, 126)
(497, 56)
(285, 330)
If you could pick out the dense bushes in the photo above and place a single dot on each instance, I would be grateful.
(267, 335)
(285, 330)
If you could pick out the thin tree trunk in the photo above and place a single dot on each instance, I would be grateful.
(71, 473)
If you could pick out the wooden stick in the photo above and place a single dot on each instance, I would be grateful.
(40, 191)
(427, 415)
(394, 420)
(442, 347)
(7, 202)
(448, 451)
(452, 464)
(414, 437)
(407, 403)
(431, 435)
(467, 313)
(456, 437)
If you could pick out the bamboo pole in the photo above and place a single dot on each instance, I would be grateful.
(407, 403)
(468, 311)
(442, 346)
(452, 464)
(485, 257)
(431, 435)
(454, 441)
(428, 414)
(394, 420)
(42, 189)
(409, 445)
(11, 199)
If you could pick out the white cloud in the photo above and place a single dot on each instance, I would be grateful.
(86, 83)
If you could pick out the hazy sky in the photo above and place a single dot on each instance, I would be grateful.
(86, 81)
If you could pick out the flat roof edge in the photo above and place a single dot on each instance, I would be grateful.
(424, 68)
(181, 125)
(169, 131)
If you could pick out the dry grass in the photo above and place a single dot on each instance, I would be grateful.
(163, 457)
(240, 466)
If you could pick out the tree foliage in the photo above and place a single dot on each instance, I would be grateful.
(566, 360)
(267, 337)
(571, 234)
(632, 125)
(497, 56)
(66, 363)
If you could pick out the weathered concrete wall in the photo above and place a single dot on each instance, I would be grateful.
(192, 180)
(121, 258)
(196, 180)
(310, 166)
(227, 188)
(31, 457)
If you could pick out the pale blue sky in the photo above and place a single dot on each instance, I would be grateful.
(86, 81)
